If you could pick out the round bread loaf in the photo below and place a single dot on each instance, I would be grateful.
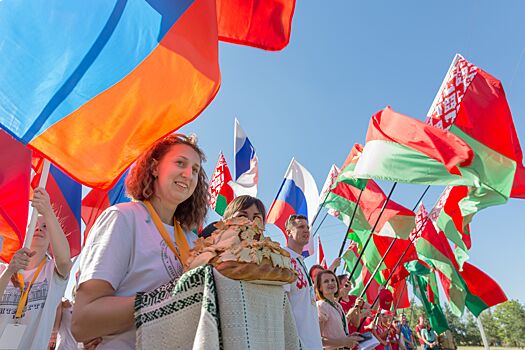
(255, 272)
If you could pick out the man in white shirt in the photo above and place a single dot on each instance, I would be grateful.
(301, 293)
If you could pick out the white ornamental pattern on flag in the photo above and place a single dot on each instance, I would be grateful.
(446, 106)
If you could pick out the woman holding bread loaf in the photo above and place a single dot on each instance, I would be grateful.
(139, 246)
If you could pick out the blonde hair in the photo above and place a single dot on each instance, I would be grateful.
(140, 180)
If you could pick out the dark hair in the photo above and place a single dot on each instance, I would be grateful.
(318, 284)
(313, 268)
(140, 180)
(291, 219)
(242, 203)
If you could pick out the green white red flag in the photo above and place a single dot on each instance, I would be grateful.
(221, 192)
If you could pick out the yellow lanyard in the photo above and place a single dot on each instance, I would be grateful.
(180, 239)
(25, 293)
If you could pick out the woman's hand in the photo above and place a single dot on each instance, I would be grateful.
(353, 340)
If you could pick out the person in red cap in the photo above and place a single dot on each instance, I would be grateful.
(385, 299)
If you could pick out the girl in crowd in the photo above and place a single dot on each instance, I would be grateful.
(430, 337)
(332, 319)
(248, 207)
(242, 206)
(139, 246)
(352, 305)
(33, 305)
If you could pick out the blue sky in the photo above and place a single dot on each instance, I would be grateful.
(345, 61)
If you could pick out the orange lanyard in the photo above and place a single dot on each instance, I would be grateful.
(183, 250)
(23, 298)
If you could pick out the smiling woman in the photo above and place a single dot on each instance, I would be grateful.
(139, 246)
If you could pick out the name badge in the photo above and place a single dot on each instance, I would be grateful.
(12, 336)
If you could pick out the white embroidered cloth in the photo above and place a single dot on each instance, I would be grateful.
(205, 310)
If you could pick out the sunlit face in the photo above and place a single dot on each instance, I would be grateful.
(299, 232)
(328, 284)
(40, 237)
(177, 174)
(251, 213)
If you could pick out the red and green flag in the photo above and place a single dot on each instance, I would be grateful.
(221, 192)
(433, 248)
(472, 105)
(361, 274)
(396, 220)
(425, 288)
(482, 291)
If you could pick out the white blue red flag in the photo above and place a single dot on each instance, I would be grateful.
(246, 164)
(298, 195)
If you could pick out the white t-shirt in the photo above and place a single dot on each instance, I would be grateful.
(302, 298)
(125, 249)
(65, 340)
(39, 313)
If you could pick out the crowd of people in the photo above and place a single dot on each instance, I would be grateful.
(139, 246)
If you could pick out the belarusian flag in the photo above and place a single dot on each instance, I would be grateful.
(472, 105)
(482, 291)
(447, 215)
(361, 274)
(221, 192)
(433, 248)
(396, 220)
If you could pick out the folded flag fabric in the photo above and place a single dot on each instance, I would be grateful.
(265, 24)
(221, 191)
(83, 81)
(15, 173)
(246, 164)
(482, 291)
(321, 260)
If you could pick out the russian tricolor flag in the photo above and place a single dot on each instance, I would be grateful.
(298, 195)
(246, 164)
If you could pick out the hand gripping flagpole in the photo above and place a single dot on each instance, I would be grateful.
(378, 266)
(371, 231)
(34, 214)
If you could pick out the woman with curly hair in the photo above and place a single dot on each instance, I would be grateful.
(139, 246)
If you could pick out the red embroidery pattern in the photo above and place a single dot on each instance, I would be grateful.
(457, 81)
(302, 282)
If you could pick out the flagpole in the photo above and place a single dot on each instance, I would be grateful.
(318, 227)
(378, 266)
(482, 332)
(371, 232)
(317, 214)
(34, 214)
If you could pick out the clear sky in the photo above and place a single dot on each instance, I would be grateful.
(345, 61)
